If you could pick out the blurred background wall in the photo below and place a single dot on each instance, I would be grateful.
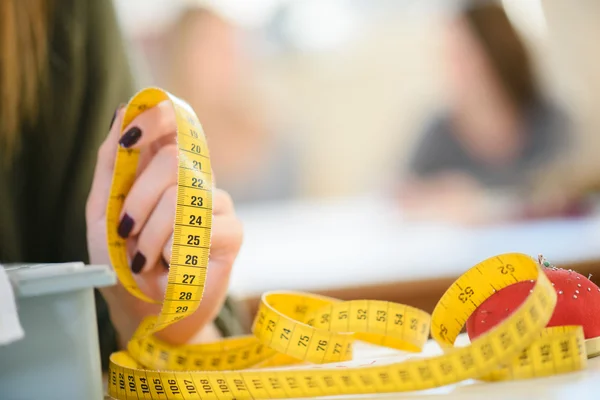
(573, 54)
(332, 95)
(370, 141)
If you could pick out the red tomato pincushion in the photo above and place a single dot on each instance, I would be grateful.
(578, 303)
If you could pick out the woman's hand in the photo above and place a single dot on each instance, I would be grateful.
(147, 222)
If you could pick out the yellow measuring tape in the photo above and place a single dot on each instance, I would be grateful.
(299, 329)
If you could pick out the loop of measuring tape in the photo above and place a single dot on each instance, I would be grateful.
(300, 339)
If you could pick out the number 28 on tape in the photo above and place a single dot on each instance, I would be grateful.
(294, 331)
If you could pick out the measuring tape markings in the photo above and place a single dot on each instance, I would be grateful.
(295, 329)
(190, 249)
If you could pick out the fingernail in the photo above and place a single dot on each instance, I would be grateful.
(130, 137)
(165, 263)
(138, 262)
(125, 226)
(112, 121)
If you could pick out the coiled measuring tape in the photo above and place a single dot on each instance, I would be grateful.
(299, 331)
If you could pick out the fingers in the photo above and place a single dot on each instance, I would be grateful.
(160, 174)
(226, 240)
(156, 238)
(166, 252)
(222, 203)
(105, 163)
(154, 129)
(154, 126)
(226, 235)
(157, 231)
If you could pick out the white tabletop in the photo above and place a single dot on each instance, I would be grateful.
(337, 243)
(579, 385)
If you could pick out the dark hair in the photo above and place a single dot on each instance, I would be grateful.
(505, 50)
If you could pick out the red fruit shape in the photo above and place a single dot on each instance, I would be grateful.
(578, 303)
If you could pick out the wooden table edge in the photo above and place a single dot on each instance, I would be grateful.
(420, 293)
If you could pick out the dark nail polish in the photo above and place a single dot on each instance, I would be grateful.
(112, 121)
(138, 262)
(165, 263)
(125, 226)
(130, 137)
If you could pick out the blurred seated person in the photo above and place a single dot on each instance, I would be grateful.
(475, 162)
(202, 60)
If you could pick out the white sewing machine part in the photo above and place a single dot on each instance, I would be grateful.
(58, 357)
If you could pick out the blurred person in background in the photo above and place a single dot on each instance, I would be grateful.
(63, 72)
(203, 60)
(476, 161)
